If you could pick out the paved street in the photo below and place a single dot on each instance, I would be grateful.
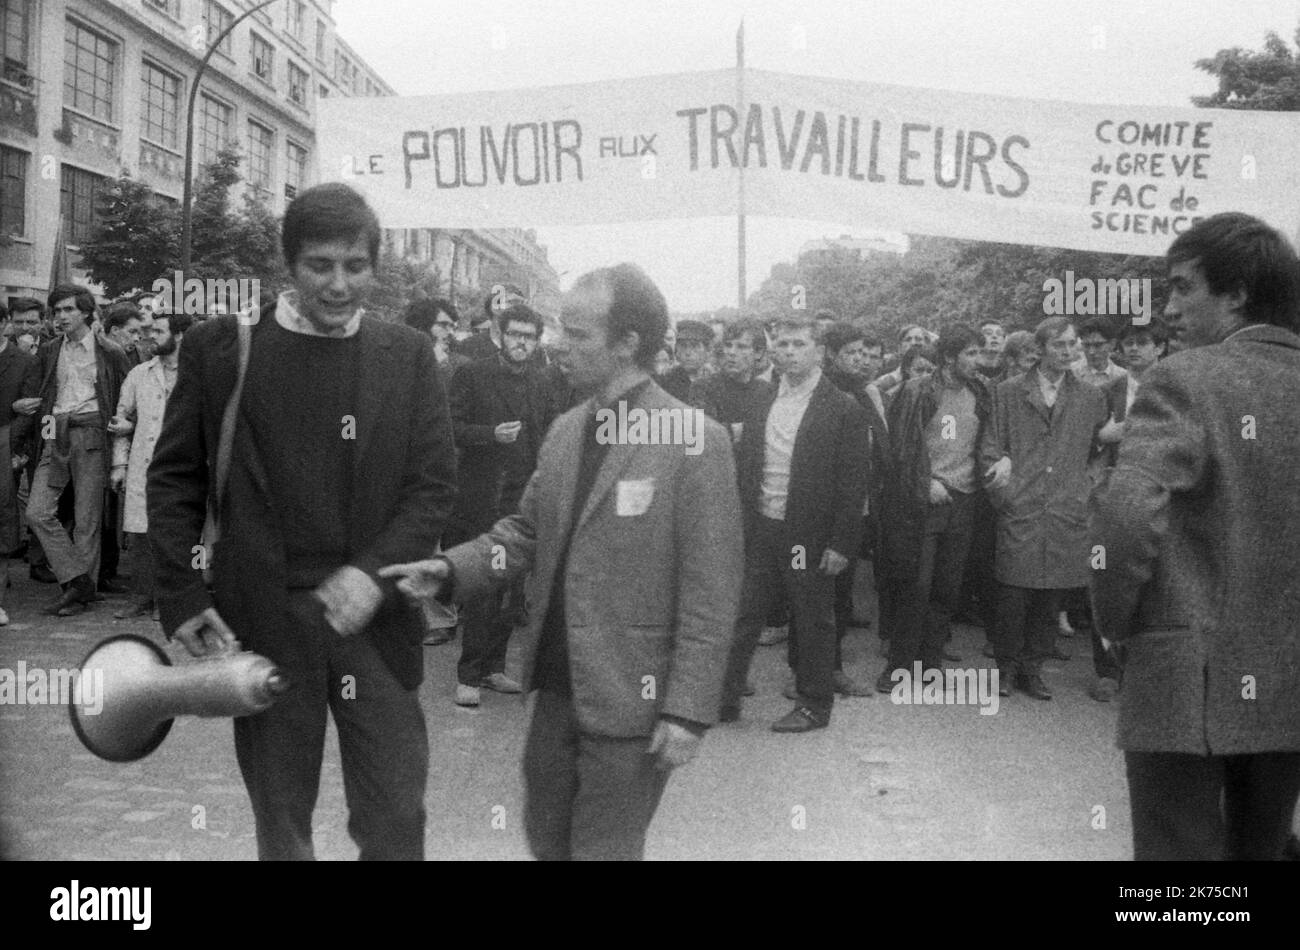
(884, 781)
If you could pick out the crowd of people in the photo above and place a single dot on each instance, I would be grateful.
(373, 489)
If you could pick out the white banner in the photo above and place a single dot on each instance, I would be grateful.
(1123, 179)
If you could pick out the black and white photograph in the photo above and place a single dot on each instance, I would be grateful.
(754, 430)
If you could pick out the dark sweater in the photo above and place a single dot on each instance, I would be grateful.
(299, 404)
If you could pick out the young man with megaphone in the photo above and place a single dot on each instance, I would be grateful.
(319, 438)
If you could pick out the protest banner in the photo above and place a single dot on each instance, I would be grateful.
(1122, 179)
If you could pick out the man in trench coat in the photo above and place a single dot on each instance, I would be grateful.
(1043, 432)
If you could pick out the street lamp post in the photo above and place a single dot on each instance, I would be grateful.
(187, 225)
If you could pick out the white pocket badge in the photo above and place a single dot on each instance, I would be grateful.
(634, 496)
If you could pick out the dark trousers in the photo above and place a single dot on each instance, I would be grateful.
(586, 797)
(926, 605)
(485, 623)
(1026, 629)
(382, 741)
(1104, 661)
(843, 614)
(979, 585)
(140, 556)
(1211, 807)
(770, 572)
(110, 551)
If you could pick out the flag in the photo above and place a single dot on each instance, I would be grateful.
(59, 270)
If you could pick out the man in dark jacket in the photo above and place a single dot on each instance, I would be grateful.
(501, 408)
(730, 395)
(937, 422)
(341, 462)
(802, 466)
(694, 340)
(72, 389)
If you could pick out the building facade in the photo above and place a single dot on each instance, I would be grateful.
(91, 88)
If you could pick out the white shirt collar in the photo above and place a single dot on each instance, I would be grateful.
(785, 390)
(287, 315)
(87, 342)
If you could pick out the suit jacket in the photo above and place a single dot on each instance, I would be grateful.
(1116, 392)
(1200, 523)
(111, 367)
(403, 483)
(828, 471)
(1042, 539)
(14, 366)
(652, 585)
(478, 402)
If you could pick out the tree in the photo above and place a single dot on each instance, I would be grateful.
(399, 282)
(1267, 80)
(136, 239)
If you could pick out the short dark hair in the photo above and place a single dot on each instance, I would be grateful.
(1235, 251)
(117, 314)
(799, 324)
(750, 329)
(177, 323)
(520, 313)
(423, 314)
(992, 323)
(82, 297)
(923, 352)
(872, 342)
(636, 306)
(955, 338)
(825, 314)
(23, 304)
(1098, 324)
(1155, 328)
(841, 334)
(329, 212)
(1017, 343)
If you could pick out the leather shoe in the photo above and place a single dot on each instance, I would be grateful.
(1004, 683)
(113, 586)
(439, 636)
(801, 719)
(885, 682)
(500, 683)
(41, 573)
(74, 598)
(749, 690)
(1034, 686)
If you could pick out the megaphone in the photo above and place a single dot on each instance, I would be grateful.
(129, 694)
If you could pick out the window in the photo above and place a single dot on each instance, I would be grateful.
(324, 92)
(170, 7)
(214, 127)
(15, 35)
(217, 19)
(297, 84)
(296, 14)
(159, 105)
(345, 73)
(263, 58)
(320, 41)
(79, 202)
(261, 141)
(295, 169)
(89, 70)
(13, 191)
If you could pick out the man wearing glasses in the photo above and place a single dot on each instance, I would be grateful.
(501, 407)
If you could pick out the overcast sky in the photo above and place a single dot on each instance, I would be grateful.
(1043, 49)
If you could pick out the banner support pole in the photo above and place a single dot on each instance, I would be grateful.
(740, 178)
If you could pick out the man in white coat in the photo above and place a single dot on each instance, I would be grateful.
(135, 431)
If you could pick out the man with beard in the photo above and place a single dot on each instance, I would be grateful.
(135, 429)
(501, 408)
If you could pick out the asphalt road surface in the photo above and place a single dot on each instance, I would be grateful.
(1037, 780)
